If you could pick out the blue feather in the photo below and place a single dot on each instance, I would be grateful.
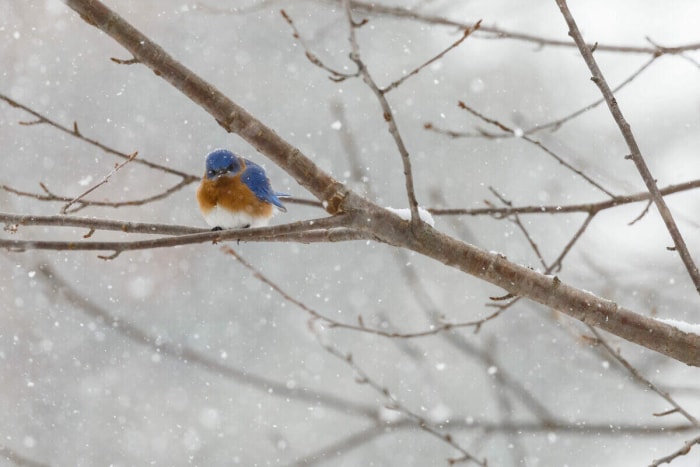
(254, 176)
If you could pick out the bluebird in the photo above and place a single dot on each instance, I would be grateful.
(236, 193)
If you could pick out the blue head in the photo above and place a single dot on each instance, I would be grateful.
(222, 162)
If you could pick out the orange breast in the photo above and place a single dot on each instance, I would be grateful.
(230, 193)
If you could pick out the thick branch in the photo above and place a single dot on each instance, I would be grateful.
(228, 114)
(547, 290)
(384, 226)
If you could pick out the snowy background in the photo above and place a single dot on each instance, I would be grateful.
(76, 390)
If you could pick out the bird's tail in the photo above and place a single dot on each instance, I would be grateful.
(278, 203)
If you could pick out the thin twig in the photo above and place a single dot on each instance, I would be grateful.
(496, 32)
(557, 264)
(459, 342)
(362, 377)
(336, 75)
(388, 115)
(635, 152)
(564, 209)
(104, 180)
(516, 220)
(505, 128)
(554, 267)
(641, 379)
(415, 71)
(393, 403)
(75, 132)
(82, 204)
(644, 212)
(332, 323)
(556, 124)
(687, 446)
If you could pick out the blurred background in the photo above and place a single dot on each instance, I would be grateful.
(180, 356)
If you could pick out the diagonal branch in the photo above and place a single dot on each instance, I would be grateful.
(228, 114)
(467, 32)
(537, 143)
(687, 446)
(75, 132)
(635, 152)
(105, 179)
(384, 226)
(388, 116)
(641, 379)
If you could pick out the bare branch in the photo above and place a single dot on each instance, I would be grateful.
(398, 82)
(335, 74)
(332, 323)
(680, 452)
(556, 124)
(393, 403)
(99, 224)
(516, 220)
(387, 227)
(82, 203)
(228, 114)
(636, 154)
(496, 32)
(641, 379)
(77, 134)
(102, 182)
(592, 208)
(388, 116)
(304, 232)
(459, 342)
(521, 135)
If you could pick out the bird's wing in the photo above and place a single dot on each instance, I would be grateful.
(254, 177)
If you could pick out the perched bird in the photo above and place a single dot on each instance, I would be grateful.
(235, 193)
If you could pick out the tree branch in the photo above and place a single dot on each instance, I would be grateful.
(387, 113)
(388, 227)
(232, 117)
(501, 33)
(635, 152)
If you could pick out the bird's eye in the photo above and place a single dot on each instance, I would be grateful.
(229, 168)
(211, 173)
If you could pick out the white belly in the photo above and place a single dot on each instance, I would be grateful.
(218, 217)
